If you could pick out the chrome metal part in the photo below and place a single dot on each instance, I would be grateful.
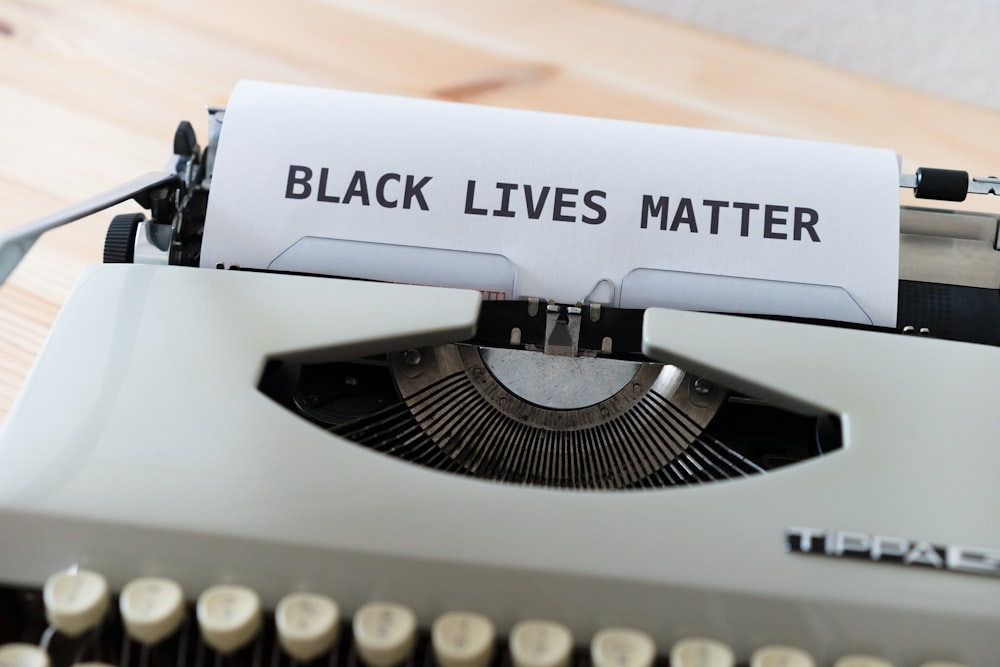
(17, 242)
(984, 185)
(152, 243)
(215, 117)
(702, 386)
(603, 291)
(978, 185)
(555, 382)
(949, 247)
(562, 330)
(476, 407)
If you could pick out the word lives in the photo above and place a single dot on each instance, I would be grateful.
(523, 200)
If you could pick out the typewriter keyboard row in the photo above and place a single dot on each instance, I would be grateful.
(73, 622)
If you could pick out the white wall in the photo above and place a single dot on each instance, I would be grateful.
(948, 47)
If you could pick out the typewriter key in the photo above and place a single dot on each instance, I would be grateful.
(152, 608)
(23, 655)
(622, 647)
(384, 633)
(699, 652)
(538, 643)
(229, 617)
(307, 625)
(75, 601)
(463, 639)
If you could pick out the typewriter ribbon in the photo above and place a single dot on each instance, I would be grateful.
(528, 204)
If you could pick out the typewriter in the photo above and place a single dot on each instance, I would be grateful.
(237, 465)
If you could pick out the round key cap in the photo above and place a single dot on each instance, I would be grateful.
(307, 624)
(75, 601)
(152, 608)
(537, 643)
(781, 656)
(229, 617)
(622, 647)
(463, 639)
(700, 652)
(384, 633)
(23, 655)
(861, 661)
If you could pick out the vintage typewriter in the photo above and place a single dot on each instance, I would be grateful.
(213, 467)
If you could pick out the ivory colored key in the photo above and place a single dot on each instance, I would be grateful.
(701, 652)
(781, 656)
(537, 643)
(622, 647)
(75, 601)
(384, 633)
(23, 655)
(857, 660)
(152, 608)
(463, 639)
(229, 617)
(942, 663)
(307, 624)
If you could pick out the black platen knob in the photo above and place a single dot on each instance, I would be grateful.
(185, 141)
(941, 184)
(119, 243)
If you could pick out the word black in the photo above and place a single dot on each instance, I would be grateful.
(387, 188)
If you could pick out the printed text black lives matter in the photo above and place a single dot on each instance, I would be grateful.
(559, 204)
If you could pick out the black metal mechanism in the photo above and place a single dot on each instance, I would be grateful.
(186, 213)
(472, 409)
(176, 214)
(952, 312)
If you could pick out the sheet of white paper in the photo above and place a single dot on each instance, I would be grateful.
(518, 203)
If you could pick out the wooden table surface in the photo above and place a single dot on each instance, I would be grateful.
(91, 91)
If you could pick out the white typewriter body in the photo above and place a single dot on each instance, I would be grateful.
(141, 445)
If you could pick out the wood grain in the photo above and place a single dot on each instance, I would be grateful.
(91, 90)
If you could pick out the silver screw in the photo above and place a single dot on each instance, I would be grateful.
(412, 357)
(702, 386)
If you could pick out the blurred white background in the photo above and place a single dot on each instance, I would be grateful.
(947, 47)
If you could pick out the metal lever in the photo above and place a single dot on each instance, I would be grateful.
(985, 185)
(948, 184)
(14, 245)
(562, 330)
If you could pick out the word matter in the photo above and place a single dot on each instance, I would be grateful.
(773, 222)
